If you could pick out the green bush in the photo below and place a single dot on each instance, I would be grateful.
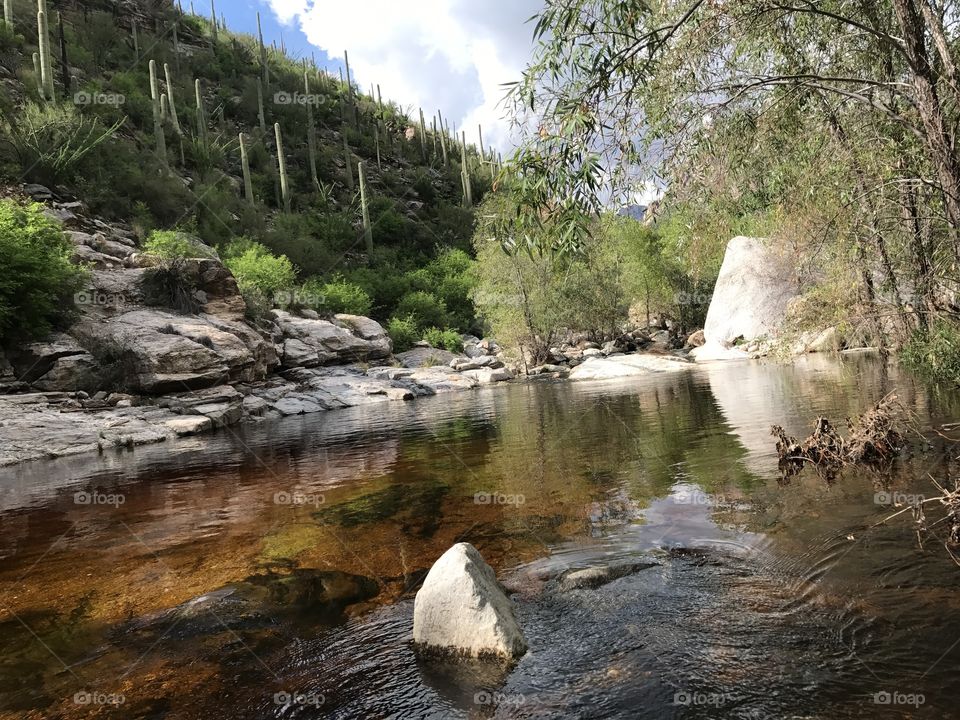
(259, 272)
(403, 331)
(446, 339)
(338, 296)
(173, 244)
(37, 280)
(935, 352)
(425, 309)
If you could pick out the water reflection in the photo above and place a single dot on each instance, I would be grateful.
(764, 601)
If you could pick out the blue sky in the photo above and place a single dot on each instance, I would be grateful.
(446, 55)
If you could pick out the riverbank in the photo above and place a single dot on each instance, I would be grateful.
(49, 425)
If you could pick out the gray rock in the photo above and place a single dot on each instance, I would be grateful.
(427, 356)
(594, 577)
(485, 376)
(628, 365)
(462, 610)
(333, 343)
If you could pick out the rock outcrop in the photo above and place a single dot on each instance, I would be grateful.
(756, 282)
(462, 610)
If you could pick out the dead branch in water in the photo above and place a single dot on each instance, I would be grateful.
(872, 439)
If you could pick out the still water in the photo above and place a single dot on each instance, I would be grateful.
(269, 572)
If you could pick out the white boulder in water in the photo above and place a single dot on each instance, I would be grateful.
(756, 281)
(462, 610)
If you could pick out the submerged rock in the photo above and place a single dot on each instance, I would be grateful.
(462, 610)
(594, 577)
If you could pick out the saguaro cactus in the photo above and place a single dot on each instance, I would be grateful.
(38, 74)
(353, 100)
(201, 116)
(264, 68)
(136, 40)
(311, 131)
(261, 115)
(245, 165)
(161, 140)
(443, 143)
(365, 210)
(174, 120)
(213, 20)
(423, 136)
(282, 167)
(465, 173)
(349, 161)
(46, 58)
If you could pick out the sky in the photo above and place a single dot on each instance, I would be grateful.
(448, 55)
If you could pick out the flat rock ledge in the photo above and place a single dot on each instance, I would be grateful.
(47, 425)
(463, 611)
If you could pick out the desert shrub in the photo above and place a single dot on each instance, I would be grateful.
(447, 339)
(403, 332)
(338, 296)
(172, 284)
(384, 284)
(258, 271)
(173, 244)
(425, 309)
(37, 280)
(935, 352)
(314, 243)
(50, 140)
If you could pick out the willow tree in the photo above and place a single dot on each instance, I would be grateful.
(843, 111)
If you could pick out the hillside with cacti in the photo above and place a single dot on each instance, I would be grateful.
(158, 117)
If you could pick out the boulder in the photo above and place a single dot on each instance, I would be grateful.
(827, 341)
(161, 352)
(696, 339)
(756, 282)
(485, 376)
(331, 343)
(620, 366)
(462, 610)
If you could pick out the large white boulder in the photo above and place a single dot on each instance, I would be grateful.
(462, 609)
(756, 281)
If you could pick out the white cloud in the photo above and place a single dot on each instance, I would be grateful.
(287, 10)
(447, 55)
